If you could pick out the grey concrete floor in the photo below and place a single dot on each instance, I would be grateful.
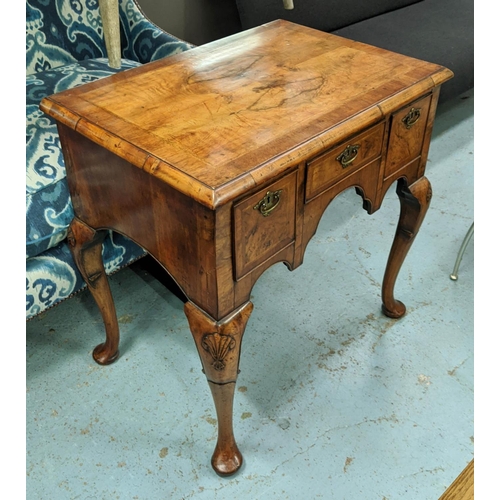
(334, 400)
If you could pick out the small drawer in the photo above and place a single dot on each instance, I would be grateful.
(407, 135)
(328, 168)
(264, 224)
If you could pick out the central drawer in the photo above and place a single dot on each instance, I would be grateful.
(264, 224)
(335, 164)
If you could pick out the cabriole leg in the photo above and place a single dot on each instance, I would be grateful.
(86, 246)
(414, 201)
(219, 345)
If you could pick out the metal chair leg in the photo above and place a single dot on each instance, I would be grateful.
(468, 236)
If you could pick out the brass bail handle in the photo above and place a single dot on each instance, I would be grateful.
(411, 118)
(270, 201)
(349, 154)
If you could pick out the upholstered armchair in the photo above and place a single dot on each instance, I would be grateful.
(65, 47)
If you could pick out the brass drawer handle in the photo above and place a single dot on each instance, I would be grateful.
(411, 118)
(349, 154)
(270, 201)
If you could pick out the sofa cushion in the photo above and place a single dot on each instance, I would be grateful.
(52, 276)
(58, 33)
(438, 31)
(48, 206)
(324, 15)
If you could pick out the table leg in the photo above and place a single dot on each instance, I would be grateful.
(219, 345)
(414, 201)
(86, 247)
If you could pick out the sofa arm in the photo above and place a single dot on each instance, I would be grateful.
(143, 41)
(56, 37)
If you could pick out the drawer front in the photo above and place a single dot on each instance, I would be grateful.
(407, 135)
(264, 224)
(332, 166)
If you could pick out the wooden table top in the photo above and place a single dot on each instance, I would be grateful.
(220, 119)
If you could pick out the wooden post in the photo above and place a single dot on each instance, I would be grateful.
(111, 27)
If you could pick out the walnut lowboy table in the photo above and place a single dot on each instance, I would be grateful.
(220, 162)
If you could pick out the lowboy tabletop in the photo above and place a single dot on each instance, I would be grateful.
(222, 118)
(220, 162)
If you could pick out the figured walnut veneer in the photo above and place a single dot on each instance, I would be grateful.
(220, 162)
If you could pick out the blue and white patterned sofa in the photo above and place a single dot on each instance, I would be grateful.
(65, 48)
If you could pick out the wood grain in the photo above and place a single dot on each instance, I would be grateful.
(215, 120)
(219, 347)
(463, 486)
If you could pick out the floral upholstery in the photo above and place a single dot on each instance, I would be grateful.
(64, 49)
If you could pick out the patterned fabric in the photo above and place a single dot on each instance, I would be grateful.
(142, 41)
(48, 205)
(59, 32)
(53, 276)
(64, 49)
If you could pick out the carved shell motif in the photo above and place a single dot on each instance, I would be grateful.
(218, 345)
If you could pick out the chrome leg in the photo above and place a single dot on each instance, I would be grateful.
(468, 236)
